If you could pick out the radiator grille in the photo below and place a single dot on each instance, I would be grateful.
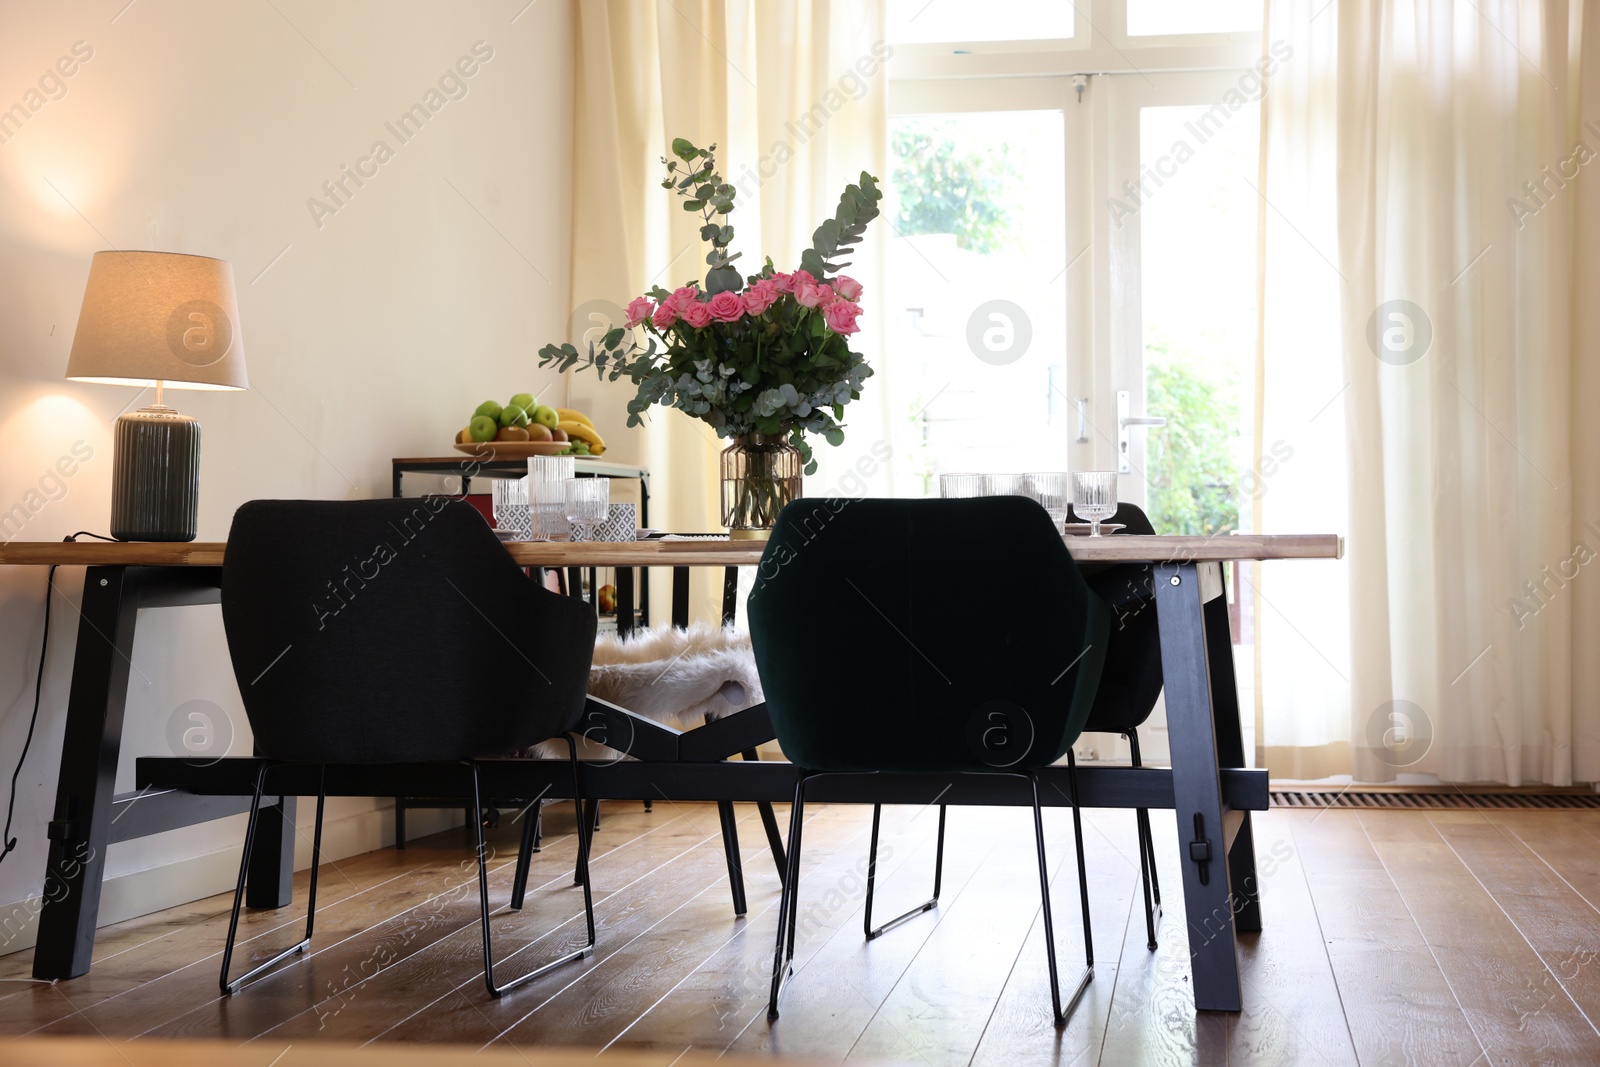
(1431, 800)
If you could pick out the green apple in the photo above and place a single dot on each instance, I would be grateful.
(546, 416)
(511, 415)
(489, 408)
(483, 428)
(523, 401)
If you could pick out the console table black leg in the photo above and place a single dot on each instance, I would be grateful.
(730, 595)
(1181, 593)
(680, 597)
(81, 828)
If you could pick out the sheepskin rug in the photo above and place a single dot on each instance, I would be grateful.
(679, 678)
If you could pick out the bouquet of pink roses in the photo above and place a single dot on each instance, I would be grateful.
(768, 354)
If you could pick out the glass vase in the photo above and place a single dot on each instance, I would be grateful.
(760, 475)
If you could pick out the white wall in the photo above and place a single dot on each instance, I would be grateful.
(371, 332)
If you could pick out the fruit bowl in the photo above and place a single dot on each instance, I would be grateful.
(512, 449)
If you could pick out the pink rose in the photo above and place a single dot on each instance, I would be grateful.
(698, 315)
(804, 276)
(726, 307)
(639, 309)
(665, 316)
(808, 293)
(760, 296)
(841, 316)
(847, 287)
(682, 298)
(783, 282)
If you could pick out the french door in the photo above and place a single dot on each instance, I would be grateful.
(1073, 281)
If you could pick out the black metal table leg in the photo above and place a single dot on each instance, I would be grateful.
(81, 828)
(1230, 753)
(1182, 590)
(730, 846)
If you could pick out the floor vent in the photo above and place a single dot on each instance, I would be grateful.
(1431, 800)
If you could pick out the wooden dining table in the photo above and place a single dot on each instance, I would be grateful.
(1209, 787)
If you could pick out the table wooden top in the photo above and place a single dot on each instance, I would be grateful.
(1119, 548)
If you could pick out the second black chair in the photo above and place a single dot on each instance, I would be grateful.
(1132, 678)
(884, 653)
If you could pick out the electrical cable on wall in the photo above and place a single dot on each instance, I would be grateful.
(10, 843)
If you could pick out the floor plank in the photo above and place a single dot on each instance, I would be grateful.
(1489, 964)
(1391, 937)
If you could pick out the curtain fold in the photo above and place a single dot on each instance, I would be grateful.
(792, 92)
(1448, 147)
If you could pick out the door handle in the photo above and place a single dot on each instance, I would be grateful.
(1125, 421)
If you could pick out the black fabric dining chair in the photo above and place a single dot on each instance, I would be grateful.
(1132, 678)
(397, 632)
(881, 649)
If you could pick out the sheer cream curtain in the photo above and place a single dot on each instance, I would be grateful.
(792, 92)
(1431, 262)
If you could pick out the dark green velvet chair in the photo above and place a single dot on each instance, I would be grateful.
(929, 637)
(1131, 681)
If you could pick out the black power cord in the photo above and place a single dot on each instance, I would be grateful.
(38, 691)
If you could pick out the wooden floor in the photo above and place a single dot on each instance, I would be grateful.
(1437, 937)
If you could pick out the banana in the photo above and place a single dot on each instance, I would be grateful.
(579, 431)
(568, 414)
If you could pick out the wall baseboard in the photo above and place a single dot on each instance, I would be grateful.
(137, 893)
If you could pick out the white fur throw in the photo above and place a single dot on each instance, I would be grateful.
(679, 678)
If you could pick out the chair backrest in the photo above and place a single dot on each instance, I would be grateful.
(387, 631)
(923, 635)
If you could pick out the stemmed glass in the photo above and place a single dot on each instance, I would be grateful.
(1053, 491)
(510, 507)
(1094, 497)
(588, 503)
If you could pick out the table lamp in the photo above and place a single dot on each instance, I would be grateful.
(157, 319)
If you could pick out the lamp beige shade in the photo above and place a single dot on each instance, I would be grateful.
(159, 316)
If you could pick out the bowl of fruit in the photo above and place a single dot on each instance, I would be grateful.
(523, 427)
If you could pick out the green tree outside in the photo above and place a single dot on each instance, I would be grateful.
(1192, 474)
(944, 190)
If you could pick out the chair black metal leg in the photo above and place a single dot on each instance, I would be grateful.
(592, 822)
(229, 988)
(788, 901)
(1147, 857)
(1063, 1014)
(730, 846)
(498, 990)
(872, 872)
(399, 822)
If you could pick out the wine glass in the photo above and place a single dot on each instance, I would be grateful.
(1094, 497)
(1053, 491)
(588, 503)
(510, 507)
